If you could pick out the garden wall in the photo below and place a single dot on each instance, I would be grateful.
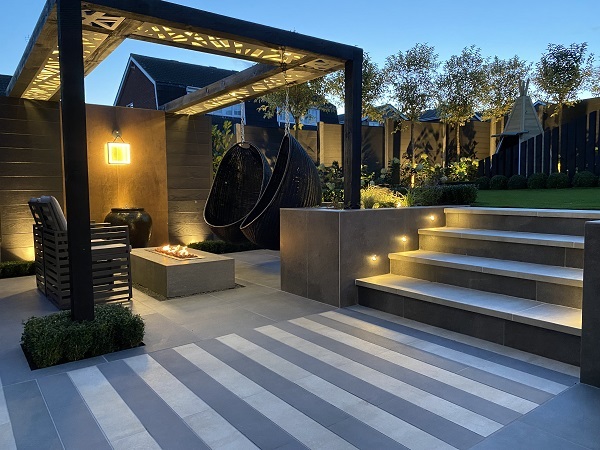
(323, 251)
(169, 174)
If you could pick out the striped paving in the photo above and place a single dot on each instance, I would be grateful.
(337, 380)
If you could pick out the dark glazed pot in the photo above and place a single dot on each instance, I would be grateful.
(138, 221)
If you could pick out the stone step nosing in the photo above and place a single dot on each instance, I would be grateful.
(560, 240)
(527, 212)
(510, 316)
(523, 274)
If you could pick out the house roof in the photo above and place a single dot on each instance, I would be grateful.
(4, 80)
(433, 115)
(166, 71)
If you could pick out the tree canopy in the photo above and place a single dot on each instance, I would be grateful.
(503, 78)
(372, 88)
(562, 73)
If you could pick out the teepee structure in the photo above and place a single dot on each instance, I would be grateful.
(523, 122)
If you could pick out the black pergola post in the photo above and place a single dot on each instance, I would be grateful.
(74, 138)
(352, 130)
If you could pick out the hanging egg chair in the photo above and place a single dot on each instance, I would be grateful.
(294, 184)
(241, 178)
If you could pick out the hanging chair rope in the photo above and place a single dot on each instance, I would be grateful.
(243, 122)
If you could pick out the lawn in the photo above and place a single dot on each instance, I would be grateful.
(573, 198)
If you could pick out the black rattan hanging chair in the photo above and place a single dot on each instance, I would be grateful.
(241, 178)
(295, 184)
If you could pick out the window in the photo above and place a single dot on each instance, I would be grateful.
(129, 105)
(311, 118)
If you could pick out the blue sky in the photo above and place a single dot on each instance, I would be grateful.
(381, 28)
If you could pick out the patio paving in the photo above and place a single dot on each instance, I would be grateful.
(255, 367)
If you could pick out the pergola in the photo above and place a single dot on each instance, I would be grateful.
(72, 37)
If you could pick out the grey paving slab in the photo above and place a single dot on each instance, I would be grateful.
(256, 427)
(353, 431)
(166, 427)
(513, 363)
(284, 306)
(573, 415)
(299, 398)
(431, 423)
(521, 436)
(32, 425)
(163, 333)
(76, 426)
(438, 386)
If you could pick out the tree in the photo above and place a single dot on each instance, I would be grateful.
(503, 78)
(372, 88)
(562, 73)
(302, 97)
(411, 78)
(595, 82)
(461, 88)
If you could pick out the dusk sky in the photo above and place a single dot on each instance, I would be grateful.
(381, 28)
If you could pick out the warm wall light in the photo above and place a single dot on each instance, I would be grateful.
(374, 258)
(404, 239)
(432, 217)
(118, 152)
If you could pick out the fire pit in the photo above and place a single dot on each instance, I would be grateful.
(176, 271)
(176, 251)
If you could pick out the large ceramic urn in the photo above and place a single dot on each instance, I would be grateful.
(138, 221)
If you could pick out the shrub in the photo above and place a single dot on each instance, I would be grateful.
(10, 269)
(465, 169)
(585, 179)
(537, 181)
(498, 182)
(220, 247)
(482, 183)
(458, 194)
(380, 197)
(55, 339)
(558, 180)
(517, 182)
(426, 196)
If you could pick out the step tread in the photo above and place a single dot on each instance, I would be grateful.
(539, 272)
(554, 240)
(529, 212)
(544, 315)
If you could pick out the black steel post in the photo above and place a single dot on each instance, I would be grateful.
(352, 130)
(74, 140)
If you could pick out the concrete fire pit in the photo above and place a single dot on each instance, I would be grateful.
(172, 277)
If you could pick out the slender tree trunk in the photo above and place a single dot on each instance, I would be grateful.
(412, 151)
(457, 142)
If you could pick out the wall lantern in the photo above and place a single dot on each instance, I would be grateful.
(118, 152)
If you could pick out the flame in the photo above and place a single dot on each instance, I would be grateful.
(177, 251)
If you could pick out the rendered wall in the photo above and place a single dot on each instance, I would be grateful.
(143, 183)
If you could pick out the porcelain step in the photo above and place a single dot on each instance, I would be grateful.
(542, 315)
(537, 248)
(553, 240)
(552, 221)
(515, 269)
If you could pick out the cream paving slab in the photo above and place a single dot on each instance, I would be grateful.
(297, 424)
(217, 432)
(110, 410)
(382, 421)
(450, 378)
(443, 408)
(550, 274)
(469, 360)
(555, 317)
(555, 240)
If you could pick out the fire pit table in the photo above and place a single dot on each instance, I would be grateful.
(171, 276)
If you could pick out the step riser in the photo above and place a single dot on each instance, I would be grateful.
(554, 225)
(517, 287)
(549, 343)
(537, 254)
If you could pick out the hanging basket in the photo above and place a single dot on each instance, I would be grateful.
(242, 176)
(295, 184)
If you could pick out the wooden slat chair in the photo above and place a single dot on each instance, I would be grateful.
(111, 268)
